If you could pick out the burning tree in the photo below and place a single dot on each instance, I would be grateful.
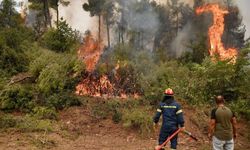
(216, 31)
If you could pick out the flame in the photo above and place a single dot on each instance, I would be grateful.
(92, 83)
(90, 52)
(95, 87)
(216, 31)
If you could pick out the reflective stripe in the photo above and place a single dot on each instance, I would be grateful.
(169, 107)
(179, 111)
(158, 110)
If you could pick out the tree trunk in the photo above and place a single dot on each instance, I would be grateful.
(57, 16)
(45, 14)
(119, 35)
(48, 14)
(142, 40)
(177, 22)
(122, 34)
(108, 34)
(99, 29)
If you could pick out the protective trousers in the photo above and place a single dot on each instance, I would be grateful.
(164, 134)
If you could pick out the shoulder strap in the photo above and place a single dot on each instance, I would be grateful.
(213, 113)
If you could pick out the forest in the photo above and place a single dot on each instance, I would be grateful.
(49, 71)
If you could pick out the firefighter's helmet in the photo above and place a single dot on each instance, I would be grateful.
(169, 92)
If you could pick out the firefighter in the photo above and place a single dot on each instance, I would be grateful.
(172, 118)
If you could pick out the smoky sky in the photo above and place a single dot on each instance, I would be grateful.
(245, 12)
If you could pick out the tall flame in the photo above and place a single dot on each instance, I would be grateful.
(216, 31)
(90, 52)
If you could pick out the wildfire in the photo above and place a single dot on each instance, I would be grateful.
(216, 31)
(97, 85)
(90, 52)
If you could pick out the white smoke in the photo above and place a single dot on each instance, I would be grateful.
(78, 18)
(180, 43)
(144, 20)
(244, 9)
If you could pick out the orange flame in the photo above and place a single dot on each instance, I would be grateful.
(216, 31)
(94, 84)
(90, 52)
(96, 87)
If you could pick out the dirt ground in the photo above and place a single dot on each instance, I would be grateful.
(78, 130)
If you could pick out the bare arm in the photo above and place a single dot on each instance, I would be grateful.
(234, 124)
(211, 127)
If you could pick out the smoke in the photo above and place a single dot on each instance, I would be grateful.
(78, 18)
(140, 18)
(180, 43)
(244, 9)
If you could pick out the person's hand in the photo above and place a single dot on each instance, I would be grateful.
(158, 147)
(183, 129)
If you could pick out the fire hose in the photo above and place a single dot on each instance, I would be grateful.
(172, 136)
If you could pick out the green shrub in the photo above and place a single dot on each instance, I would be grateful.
(41, 60)
(11, 61)
(117, 116)
(17, 97)
(25, 123)
(111, 108)
(113, 104)
(32, 124)
(61, 39)
(56, 72)
(7, 121)
(45, 113)
(241, 107)
(139, 120)
(62, 100)
(100, 111)
(12, 44)
(52, 79)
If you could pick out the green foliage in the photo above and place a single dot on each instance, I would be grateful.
(56, 72)
(32, 124)
(100, 111)
(8, 15)
(17, 97)
(25, 123)
(198, 52)
(62, 100)
(241, 107)
(199, 83)
(13, 44)
(168, 74)
(7, 121)
(114, 107)
(52, 79)
(139, 120)
(94, 6)
(117, 116)
(45, 113)
(61, 39)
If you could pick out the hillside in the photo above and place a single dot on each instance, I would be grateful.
(78, 129)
